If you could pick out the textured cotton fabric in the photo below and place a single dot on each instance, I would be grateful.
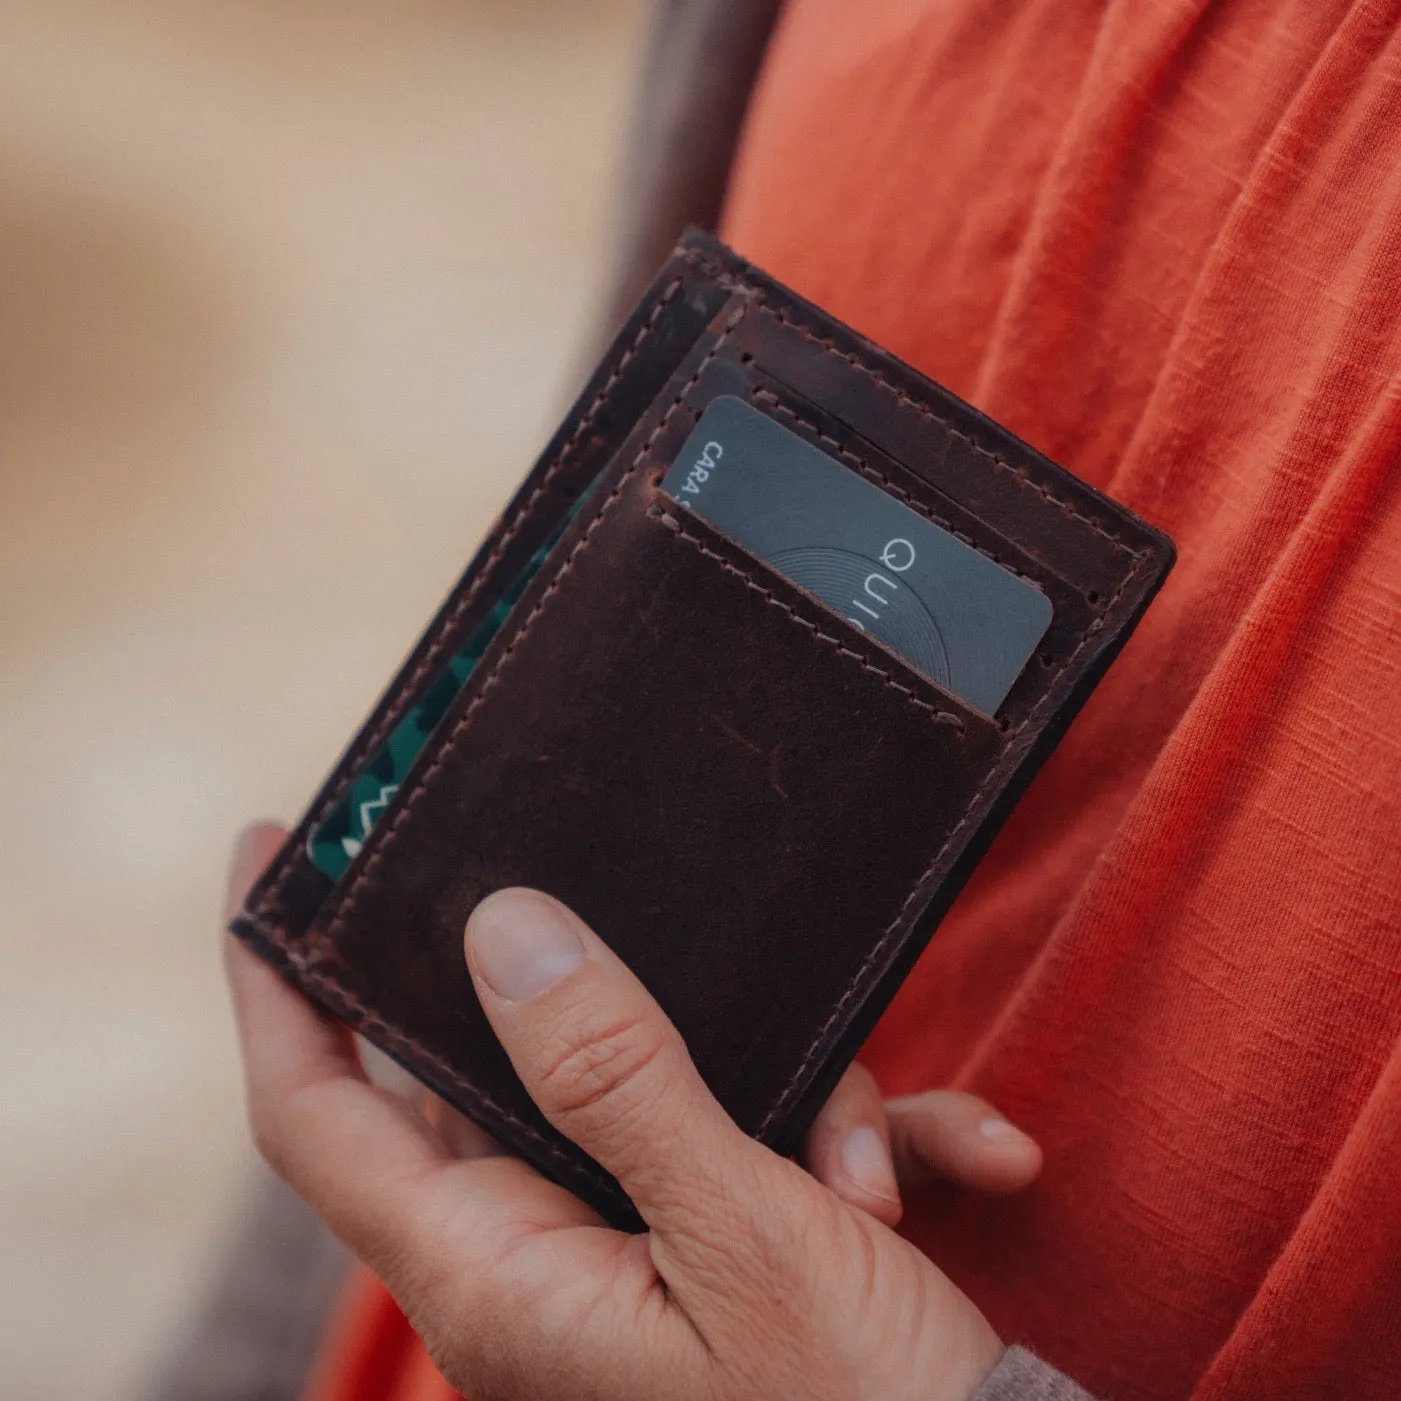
(1160, 240)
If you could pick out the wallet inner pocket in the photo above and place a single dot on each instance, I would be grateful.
(825, 626)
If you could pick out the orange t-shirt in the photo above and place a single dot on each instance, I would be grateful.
(1160, 240)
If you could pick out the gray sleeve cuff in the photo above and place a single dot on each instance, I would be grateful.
(1021, 1376)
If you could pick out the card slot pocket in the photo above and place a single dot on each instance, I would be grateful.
(1072, 613)
(826, 630)
(825, 626)
(1075, 612)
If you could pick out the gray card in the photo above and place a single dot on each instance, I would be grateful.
(951, 613)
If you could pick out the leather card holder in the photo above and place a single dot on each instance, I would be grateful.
(764, 812)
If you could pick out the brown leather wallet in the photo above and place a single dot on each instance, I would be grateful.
(763, 811)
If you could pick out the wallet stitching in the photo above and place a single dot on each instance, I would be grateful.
(894, 927)
(406, 1043)
(894, 488)
(1022, 474)
(368, 740)
(1019, 474)
(942, 717)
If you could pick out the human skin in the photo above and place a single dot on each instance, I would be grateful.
(756, 1276)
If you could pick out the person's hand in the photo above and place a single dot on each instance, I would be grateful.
(754, 1278)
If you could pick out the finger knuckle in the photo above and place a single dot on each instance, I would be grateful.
(594, 1066)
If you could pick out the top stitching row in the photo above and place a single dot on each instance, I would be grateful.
(1020, 474)
(941, 717)
(913, 502)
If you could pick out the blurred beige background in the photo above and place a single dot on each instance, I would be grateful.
(290, 294)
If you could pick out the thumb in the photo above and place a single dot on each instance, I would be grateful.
(603, 1062)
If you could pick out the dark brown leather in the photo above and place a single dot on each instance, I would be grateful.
(765, 813)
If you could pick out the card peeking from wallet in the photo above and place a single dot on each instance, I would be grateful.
(748, 674)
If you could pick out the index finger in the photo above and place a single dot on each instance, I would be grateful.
(380, 1177)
